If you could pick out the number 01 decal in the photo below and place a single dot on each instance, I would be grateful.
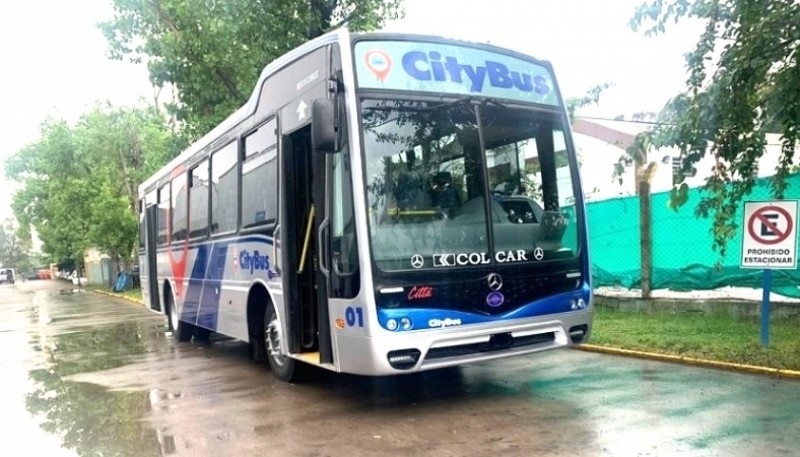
(354, 316)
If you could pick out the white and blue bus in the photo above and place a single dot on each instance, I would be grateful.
(382, 204)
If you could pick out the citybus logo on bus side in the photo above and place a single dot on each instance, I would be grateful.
(254, 261)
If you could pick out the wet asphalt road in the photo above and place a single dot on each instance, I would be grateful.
(84, 374)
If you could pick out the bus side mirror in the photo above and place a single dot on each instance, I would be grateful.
(323, 125)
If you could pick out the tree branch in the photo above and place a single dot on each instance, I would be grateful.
(230, 84)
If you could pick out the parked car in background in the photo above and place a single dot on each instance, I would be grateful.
(7, 276)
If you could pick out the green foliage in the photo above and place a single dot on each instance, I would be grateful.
(742, 83)
(15, 246)
(591, 97)
(54, 191)
(678, 196)
(80, 184)
(213, 52)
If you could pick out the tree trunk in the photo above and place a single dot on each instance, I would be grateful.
(115, 269)
(646, 240)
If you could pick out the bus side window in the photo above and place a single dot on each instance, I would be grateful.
(224, 189)
(180, 207)
(142, 226)
(344, 244)
(260, 176)
(198, 201)
(163, 214)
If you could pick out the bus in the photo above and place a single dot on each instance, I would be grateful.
(382, 204)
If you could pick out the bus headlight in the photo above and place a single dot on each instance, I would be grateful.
(391, 324)
(406, 324)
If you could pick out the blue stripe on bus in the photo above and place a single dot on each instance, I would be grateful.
(191, 301)
(212, 289)
(202, 296)
(421, 317)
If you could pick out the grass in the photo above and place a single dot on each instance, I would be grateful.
(719, 337)
(135, 294)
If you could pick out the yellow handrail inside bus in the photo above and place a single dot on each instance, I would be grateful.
(307, 240)
(407, 212)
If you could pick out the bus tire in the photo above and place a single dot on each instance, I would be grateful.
(282, 366)
(181, 331)
(202, 335)
(258, 347)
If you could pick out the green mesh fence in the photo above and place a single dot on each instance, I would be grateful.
(682, 256)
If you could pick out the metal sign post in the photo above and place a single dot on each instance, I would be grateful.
(765, 308)
(769, 242)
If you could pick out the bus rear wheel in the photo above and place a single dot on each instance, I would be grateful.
(282, 366)
(181, 331)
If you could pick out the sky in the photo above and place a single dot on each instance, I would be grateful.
(54, 61)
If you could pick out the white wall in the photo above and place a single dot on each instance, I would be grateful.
(599, 157)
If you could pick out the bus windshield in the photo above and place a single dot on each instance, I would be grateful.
(462, 183)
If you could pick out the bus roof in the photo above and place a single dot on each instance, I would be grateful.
(247, 109)
(341, 35)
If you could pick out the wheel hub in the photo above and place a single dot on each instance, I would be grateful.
(273, 337)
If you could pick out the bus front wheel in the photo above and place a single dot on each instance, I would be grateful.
(282, 366)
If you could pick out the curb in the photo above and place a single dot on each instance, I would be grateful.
(121, 297)
(738, 367)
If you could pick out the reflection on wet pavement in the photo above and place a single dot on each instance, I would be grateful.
(69, 333)
(103, 377)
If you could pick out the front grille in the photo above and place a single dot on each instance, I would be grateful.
(497, 342)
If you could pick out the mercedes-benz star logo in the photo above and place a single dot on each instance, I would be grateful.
(538, 253)
(417, 261)
(495, 281)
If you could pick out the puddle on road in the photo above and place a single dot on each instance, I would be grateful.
(79, 334)
(89, 419)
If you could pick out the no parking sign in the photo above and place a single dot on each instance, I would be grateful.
(770, 235)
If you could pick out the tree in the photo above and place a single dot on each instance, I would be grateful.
(14, 249)
(53, 198)
(126, 146)
(80, 184)
(743, 78)
(636, 154)
(213, 52)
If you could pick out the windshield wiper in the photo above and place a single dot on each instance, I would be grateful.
(417, 105)
(492, 101)
(467, 100)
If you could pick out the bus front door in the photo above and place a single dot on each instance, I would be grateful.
(306, 294)
(150, 264)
